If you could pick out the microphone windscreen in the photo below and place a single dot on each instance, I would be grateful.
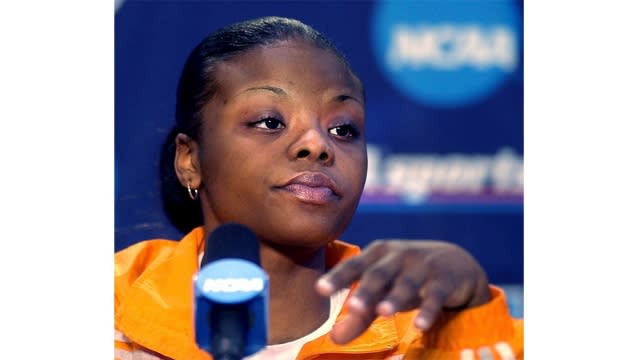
(232, 241)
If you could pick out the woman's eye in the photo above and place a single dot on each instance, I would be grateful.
(269, 123)
(344, 131)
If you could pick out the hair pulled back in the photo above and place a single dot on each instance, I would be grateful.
(197, 85)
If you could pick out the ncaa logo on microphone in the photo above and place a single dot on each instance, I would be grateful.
(230, 285)
(447, 53)
(230, 281)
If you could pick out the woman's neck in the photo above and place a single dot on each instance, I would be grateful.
(295, 308)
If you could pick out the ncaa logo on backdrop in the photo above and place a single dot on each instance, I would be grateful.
(445, 52)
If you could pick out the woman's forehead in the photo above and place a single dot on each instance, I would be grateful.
(293, 64)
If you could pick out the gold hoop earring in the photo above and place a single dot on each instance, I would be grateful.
(193, 193)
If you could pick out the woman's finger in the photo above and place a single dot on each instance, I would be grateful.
(350, 327)
(345, 273)
(404, 294)
(434, 295)
(375, 284)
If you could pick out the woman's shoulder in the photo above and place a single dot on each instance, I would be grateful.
(145, 256)
(133, 260)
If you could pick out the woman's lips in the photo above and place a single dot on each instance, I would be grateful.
(311, 194)
(313, 188)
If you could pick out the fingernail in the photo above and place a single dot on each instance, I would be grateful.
(324, 286)
(422, 323)
(356, 304)
(386, 308)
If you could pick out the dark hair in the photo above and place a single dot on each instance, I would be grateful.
(197, 85)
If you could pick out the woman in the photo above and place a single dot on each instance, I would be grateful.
(270, 133)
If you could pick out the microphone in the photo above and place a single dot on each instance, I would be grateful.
(231, 295)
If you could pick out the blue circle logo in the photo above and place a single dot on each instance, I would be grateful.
(447, 53)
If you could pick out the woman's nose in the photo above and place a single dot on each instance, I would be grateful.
(313, 144)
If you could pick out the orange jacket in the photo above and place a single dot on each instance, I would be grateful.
(154, 314)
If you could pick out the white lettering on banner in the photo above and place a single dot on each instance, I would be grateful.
(450, 47)
(414, 177)
(229, 285)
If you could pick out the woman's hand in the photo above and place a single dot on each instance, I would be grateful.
(401, 275)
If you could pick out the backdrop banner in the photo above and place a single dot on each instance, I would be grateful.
(444, 89)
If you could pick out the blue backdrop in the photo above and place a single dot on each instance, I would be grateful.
(444, 114)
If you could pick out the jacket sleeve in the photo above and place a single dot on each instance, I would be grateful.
(479, 331)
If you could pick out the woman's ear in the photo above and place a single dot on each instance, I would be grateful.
(187, 162)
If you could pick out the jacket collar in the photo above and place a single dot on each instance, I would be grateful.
(157, 311)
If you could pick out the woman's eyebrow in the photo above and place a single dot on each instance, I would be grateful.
(345, 97)
(341, 97)
(276, 90)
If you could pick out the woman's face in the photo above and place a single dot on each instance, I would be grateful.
(282, 145)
